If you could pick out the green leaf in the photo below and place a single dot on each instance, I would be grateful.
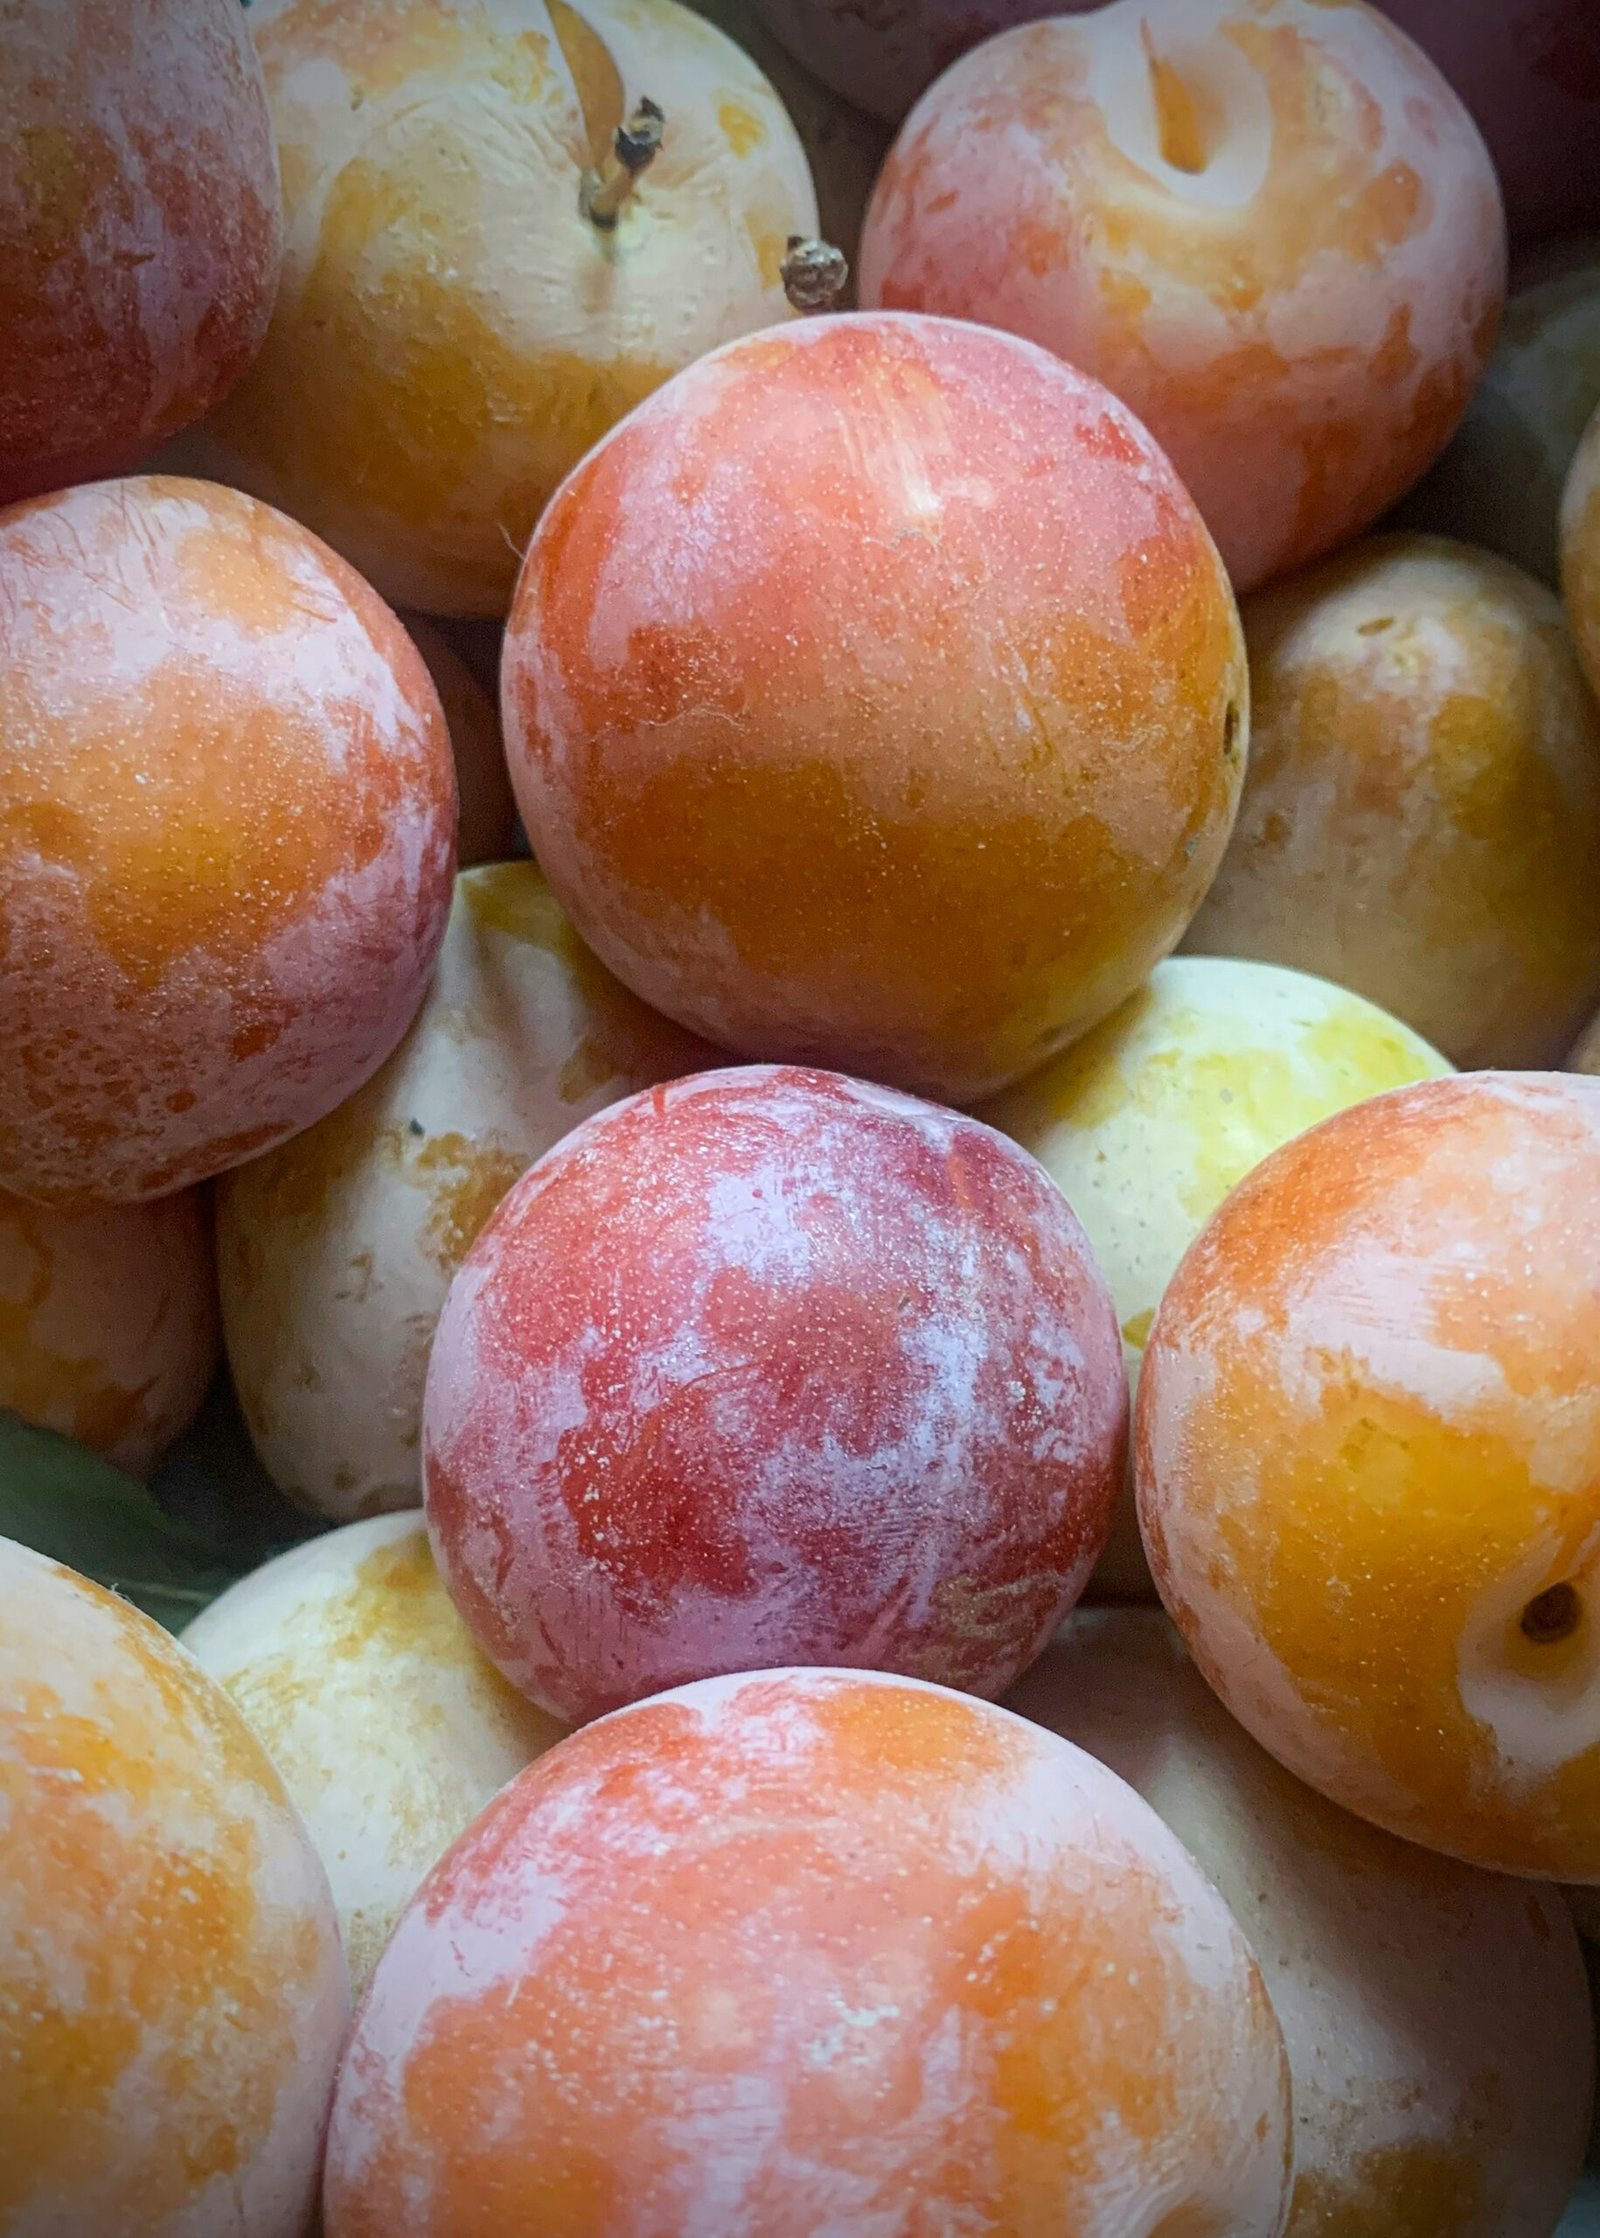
(65, 1502)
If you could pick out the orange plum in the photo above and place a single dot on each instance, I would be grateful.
(813, 1951)
(173, 1996)
(1269, 226)
(875, 697)
(227, 825)
(140, 229)
(1367, 1461)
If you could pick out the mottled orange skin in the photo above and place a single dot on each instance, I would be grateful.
(172, 1991)
(486, 828)
(813, 1951)
(1269, 226)
(1368, 1439)
(140, 230)
(227, 822)
(108, 1321)
(1421, 817)
(874, 696)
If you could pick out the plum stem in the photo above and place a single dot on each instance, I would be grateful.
(815, 274)
(606, 191)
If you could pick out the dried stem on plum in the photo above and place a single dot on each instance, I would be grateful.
(635, 147)
(815, 274)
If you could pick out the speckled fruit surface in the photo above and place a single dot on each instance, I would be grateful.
(452, 333)
(1436, 2017)
(336, 1250)
(770, 1366)
(173, 1996)
(1368, 1463)
(140, 229)
(108, 1321)
(1421, 817)
(388, 1728)
(1269, 226)
(1148, 1122)
(874, 696)
(227, 820)
(814, 1951)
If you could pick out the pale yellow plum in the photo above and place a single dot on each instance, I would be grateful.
(1421, 815)
(389, 1729)
(1436, 2016)
(336, 1252)
(1149, 1121)
(454, 330)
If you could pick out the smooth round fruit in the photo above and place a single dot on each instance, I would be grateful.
(807, 1951)
(1436, 2017)
(1529, 70)
(336, 1250)
(1148, 1122)
(874, 696)
(1421, 820)
(227, 816)
(1268, 226)
(172, 1993)
(486, 829)
(1368, 1463)
(140, 229)
(452, 332)
(1499, 480)
(108, 1321)
(389, 1729)
(770, 1366)
(843, 145)
(1586, 1057)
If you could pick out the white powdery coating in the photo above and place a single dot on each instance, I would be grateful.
(337, 1252)
(159, 135)
(958, 183)
(1367, 1311)
(388, 1728)
(1427, 2007)
(104, 625)
(1041, 1820)
(996, 488)
(948, 1511)
(74, 1660)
